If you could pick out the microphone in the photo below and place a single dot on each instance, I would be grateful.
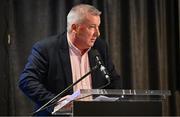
(101, 66)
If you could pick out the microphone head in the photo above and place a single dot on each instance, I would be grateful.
(95, 53)
(97, 57)
(100, 64)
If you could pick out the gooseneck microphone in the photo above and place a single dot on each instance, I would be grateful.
(99, 63)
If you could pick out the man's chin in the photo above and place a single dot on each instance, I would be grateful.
(92, 44)
(89, 46)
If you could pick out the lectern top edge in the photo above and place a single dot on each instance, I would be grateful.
(126, 92)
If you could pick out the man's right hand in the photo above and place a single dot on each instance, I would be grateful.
(60, 101)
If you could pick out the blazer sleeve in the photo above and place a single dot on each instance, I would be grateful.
(33, 75)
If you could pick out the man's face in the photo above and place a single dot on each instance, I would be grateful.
(87, 32)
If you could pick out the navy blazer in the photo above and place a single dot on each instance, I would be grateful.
(48, 70)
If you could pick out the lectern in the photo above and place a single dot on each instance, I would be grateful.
(108, 102)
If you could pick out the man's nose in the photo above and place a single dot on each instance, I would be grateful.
(97, 32)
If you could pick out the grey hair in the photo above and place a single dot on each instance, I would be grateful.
(78, 13)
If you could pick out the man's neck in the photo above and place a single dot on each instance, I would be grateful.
(71, 39)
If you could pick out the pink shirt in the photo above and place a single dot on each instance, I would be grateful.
(80, 66)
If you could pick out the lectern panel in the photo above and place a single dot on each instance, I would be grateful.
(123, 108)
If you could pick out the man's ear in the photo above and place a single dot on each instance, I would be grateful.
(74, 28)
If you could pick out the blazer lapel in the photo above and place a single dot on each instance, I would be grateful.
(92, 64)
(65, 58)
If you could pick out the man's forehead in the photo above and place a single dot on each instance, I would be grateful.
(93, 20)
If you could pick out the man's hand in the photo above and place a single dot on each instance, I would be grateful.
(63, 100)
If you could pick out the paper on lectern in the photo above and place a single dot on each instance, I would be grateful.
(63, 103)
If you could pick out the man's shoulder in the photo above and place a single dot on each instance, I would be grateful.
(50, 41)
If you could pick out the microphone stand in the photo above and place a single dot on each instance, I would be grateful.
(53, 100)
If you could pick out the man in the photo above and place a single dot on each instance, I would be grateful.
(58, 61)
